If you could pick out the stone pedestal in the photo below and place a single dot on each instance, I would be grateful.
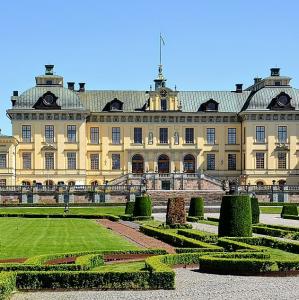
(35, 198)
(96, 197)
(60, 198)
(71, 198)
(107, 197)
(132, 197)
(24, 198)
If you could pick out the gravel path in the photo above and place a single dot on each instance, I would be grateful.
(191, 285)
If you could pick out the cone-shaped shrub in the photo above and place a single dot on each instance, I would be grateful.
(129, 208)
(143, 206)
(289, 209)
(176, 213)
(196, 208)
(255, 210)
(235, 216)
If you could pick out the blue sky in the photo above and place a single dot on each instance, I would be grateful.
(210, 45)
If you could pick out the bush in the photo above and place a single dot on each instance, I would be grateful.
(176, 213)
(196, 208)
(175, 239)
(129, 208)
(194, 219)
(255, 210)
(235, 216)
(276, 232)
(290, 209)
(143, 206)
(199, 235)
(7, 284)
(290, 217)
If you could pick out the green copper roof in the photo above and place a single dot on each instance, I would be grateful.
(67, 99)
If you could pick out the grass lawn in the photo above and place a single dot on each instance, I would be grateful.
(270, 209)
(122, 267)
(20, 237)
(113, 210)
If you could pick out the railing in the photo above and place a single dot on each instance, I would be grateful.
(269, 188)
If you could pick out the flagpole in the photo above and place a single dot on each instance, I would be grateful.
(160, 51)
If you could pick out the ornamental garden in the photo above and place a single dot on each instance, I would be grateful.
(113, 246)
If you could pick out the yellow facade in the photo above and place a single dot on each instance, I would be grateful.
(218, 130)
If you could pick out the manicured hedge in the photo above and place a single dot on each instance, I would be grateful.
(276, 204)
(199, 235)
(196, 208)
(290, 209)
(193, 219)
(213, 219)
(59, 216)
(255, 210)
(143, 206)
(129, 208)
(276, 232)
(234, 245)
(175, 239)
(7, 284)
(283, 227)
(235, 216)
(290, 217)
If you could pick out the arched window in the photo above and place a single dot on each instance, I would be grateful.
(259, 183)
(189, 163)
(163, 164)
(71, 183)
(137, 164)
(49, 182)
(26, 182)
(94, 183)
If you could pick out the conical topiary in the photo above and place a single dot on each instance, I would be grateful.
(255, 210)
(196, 208)
(143, 206)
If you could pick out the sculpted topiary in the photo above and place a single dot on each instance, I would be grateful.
(235, 216)
(196, 208)
(289, 209)
(143, 206)
(255, 210)
(176, 213)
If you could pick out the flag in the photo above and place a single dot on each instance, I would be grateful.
(162, 40)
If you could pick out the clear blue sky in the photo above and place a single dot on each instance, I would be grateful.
(210, 45)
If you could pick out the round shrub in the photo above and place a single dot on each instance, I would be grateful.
(143, 206)
(129, 208)
(289, 209)
(196, 208)
(235, 216)
(255, 210)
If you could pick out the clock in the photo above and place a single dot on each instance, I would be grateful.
(283, 100)
(163, 92)
(48, 99)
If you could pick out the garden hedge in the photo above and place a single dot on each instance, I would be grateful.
(235, 216)
(290, 209)
(196, 208)
(129, 208)
(175, 239)
(255, 210)
(7, 284)
(276, 232)
(199, 235)
(143, 206)
(290, 217)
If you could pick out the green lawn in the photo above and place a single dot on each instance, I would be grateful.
(20, 237)
(113, 210)
(270, 209)
(122, 267)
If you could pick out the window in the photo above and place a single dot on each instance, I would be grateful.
(94, 161)
(232, 136)
(260, 134)
(71, 160)
(49, 133)
(115, 135)
(115, 161)
(49, 160)
(26, 160)
(282, 160)
(26, 133)
(163, 104)
(164, 135)
(210, 161)
(2, 182)
(138, 135)
(211, 136)
(231, 160)
(277, 83)
(2, 161)
(189, 135)
(282, 134)
(260, 160)
(94, 135)
(71, 133)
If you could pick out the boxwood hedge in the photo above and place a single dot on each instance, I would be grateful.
(143, 206)
(196, 208)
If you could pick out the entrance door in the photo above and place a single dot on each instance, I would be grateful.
(189, 163)
(163, 164)
(137, 164)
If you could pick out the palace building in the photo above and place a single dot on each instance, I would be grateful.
(78, 136)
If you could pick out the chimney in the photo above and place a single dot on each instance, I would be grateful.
(15, 93)
(275, 71)
(257, 79)
(239, 87)
(71, 85)
(49, 69)
(81, 87)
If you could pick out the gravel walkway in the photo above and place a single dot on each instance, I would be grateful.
(191, 285)
(135, 236)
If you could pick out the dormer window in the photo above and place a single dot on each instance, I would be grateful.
(277, 83)
(163, 104)
(114, 105)
(281, 102)
(47, 101)
(210, 105)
